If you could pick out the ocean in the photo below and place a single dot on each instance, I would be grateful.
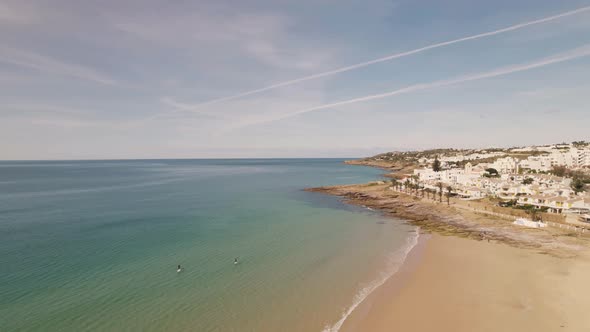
(94, 245)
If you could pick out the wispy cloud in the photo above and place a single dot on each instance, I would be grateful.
(394, 56)
(570, 55)
(47, 64)
(184, 107)
(14, 13)
(39, 109)
(223, 30)
(53, 115)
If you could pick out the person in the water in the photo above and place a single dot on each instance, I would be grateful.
(179, 268)
(236, 260)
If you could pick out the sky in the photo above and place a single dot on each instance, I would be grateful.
(324, 78)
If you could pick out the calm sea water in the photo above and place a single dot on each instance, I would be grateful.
(94, 245)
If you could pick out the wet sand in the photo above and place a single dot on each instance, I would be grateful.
(521, 280)
(457, 284)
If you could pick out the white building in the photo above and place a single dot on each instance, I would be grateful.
(537, 163)
(505, 165)
(556, 204)
(562, 155)
(542, 190)
(463, 176)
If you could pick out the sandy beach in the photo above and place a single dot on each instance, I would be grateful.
(459, 284)
(521, 280)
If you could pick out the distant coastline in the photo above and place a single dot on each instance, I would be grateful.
(560, 245)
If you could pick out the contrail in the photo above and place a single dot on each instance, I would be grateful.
(571, 55)
(394, 56)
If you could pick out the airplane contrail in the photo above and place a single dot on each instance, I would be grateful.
(394, 56)
(571, 55)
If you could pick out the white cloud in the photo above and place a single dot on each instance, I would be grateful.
(230, 35)
(44, 115)
(29, 108)
(267, 52)
(172, 56)
(570, 55)
(17, 14)
(182, 107)
(47, 64)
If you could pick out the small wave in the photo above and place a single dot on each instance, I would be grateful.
(397, 259)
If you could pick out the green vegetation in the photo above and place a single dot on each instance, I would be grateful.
(580, 144)
(436, 165)
(491, 173)
(528, 181)
(531, 210)
(534, 171)
(395, 183)
(559, 170)
(413, 156)
(578, 185)
(510, 203)
(579, 178)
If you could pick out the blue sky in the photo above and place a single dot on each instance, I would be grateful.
(162, 79)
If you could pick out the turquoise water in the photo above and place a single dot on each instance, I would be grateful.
(93, 245)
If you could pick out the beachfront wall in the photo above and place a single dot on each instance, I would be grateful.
(555, 204)
(550, 217)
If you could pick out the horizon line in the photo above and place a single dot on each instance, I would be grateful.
(398, 149)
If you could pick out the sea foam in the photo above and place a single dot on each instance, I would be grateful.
(395, 262)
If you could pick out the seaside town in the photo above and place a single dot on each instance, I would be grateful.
(551, 179)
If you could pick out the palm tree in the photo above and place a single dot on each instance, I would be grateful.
(449, 189)
(436, 164)
(413, 179)
(407, 185)
(394, 183)
(440, 190)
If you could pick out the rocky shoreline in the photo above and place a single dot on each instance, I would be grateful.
(446, 219)
(395, 170)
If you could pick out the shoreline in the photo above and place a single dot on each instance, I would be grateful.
(457, 284)
(391, 287)
(399, 261)
(442, 227)
(456, 219)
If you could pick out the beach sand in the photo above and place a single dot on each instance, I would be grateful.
(522, 280)
(457, 284)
